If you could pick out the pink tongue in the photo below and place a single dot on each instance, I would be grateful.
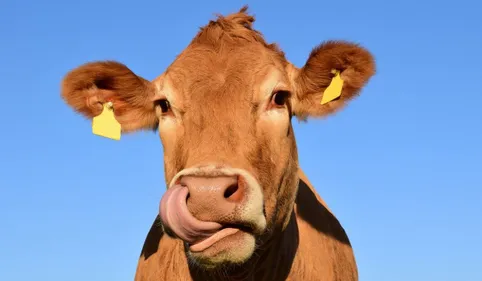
(175, 215)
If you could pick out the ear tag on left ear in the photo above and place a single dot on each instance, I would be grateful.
(105, 124)
(334, 89)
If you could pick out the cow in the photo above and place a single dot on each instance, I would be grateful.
(237, 205)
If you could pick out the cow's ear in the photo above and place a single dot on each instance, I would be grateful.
(87, 87)
(355, 66)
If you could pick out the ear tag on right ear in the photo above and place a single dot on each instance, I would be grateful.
(334, 89)
(105, 124)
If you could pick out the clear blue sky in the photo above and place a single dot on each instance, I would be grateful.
(400, 167)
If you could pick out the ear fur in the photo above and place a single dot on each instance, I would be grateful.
(88, 86)
(356, 65)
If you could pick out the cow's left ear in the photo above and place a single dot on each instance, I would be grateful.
(355, 66)
(88, 87)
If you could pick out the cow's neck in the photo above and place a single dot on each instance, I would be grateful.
(313, 246)
(273, 261)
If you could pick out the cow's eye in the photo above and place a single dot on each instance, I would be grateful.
(164, 105)
(280, 98)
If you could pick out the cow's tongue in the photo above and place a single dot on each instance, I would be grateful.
(175, 215)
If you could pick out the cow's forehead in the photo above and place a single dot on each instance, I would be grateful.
(206, 65)
(227, 61)
(234, 73)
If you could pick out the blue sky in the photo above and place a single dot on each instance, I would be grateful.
(400, 167)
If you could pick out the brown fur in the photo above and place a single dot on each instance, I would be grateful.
(356, 65)
(221, 112)
(313, 247)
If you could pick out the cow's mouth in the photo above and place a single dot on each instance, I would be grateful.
(199, 235)
(227, 230)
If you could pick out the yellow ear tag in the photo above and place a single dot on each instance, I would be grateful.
(334, 89)
(105, 124)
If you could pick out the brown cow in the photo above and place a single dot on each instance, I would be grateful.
(237, 206)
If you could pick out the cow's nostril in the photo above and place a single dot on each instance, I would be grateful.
(230, 190)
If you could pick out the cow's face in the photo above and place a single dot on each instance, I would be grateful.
(223, 111)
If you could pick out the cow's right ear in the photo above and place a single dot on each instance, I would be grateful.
(352, 64)
(87, 87)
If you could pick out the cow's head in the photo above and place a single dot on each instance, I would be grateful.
(223, 110)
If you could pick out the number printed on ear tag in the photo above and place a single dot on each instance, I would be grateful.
(334, 89)
(105, 124)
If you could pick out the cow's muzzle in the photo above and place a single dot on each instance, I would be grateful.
(211, 207)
